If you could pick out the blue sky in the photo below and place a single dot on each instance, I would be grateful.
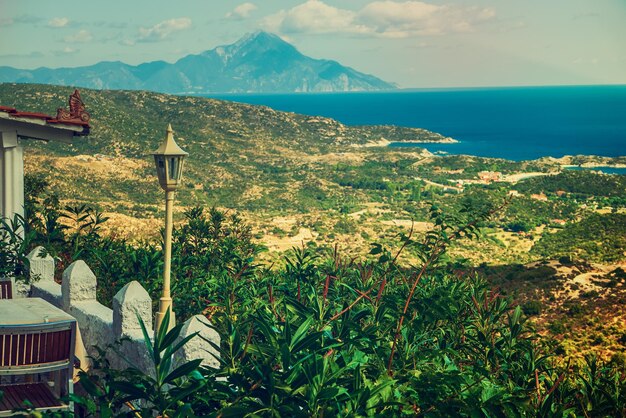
(413, 43)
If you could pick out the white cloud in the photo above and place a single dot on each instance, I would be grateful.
(58, 22)
(67, 51)
(163, 29)
(313, 16)
(79, 37)
(242, 11)
(392, 19)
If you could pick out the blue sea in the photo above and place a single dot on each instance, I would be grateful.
(517, 123)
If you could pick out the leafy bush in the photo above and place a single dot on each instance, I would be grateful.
(532, 307)
(557, 327)
(13, 247)
(598, 237)
(321, 334)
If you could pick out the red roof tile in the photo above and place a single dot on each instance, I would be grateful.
(18, 114)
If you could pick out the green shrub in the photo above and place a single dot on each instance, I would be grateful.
(557, 327)
(574, 309)
(323, 334)
(532, 307)
(590, 294)
(345, 225)
(566, 260)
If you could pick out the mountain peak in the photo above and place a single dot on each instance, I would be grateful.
(259, 36)
(257, 62)
(255, 43)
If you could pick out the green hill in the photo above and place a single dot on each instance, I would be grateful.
(233, 147)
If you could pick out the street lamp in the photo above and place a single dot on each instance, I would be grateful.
(169, 160)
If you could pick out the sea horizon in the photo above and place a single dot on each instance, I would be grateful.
(515, 123)
(408, 90)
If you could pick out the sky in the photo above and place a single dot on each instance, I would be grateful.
(416, 44)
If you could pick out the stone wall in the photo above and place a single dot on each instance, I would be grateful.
(101, 326)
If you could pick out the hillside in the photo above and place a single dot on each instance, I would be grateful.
(297, 178)
(230, 144)
(258, 62)
(303, 180)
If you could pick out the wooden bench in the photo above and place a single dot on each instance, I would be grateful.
(33, 350)
(6, 289)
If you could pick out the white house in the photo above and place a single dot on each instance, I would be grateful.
(16, 126)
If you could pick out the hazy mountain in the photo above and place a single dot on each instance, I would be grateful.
(258, 62)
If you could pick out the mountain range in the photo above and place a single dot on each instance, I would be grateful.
(260, 62)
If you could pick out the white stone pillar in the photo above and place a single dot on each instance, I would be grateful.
(79, 285)
(12, 172)
(130, 301)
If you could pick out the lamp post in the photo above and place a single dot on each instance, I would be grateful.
(169, 160)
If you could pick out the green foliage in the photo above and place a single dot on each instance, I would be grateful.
(580, 183)
(372, 338)
(598, 237)
(345, 225)
(13, 248)
(320, 334)
(532, 307)
(212, 260)
(340, 337)
(210, 252)
(162, 391)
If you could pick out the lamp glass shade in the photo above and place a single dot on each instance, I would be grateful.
(160, 165)
(169, 160)
(174, 168)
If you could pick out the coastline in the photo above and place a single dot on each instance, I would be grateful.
(594, 165)
(386, 143)
(589, 161)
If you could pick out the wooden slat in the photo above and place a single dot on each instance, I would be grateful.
(3, 351)
(28, 352)
(58, 345)
(21, 352)
(37, 393)
(13, 350)
(9, 401)
(45, 347)
(29, 349)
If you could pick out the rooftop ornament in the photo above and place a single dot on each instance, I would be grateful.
(77, 111)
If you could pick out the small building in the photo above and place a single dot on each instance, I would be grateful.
(489, 176)
(17, 126)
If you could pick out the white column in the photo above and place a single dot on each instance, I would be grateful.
(12, 172)
(1, 178)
